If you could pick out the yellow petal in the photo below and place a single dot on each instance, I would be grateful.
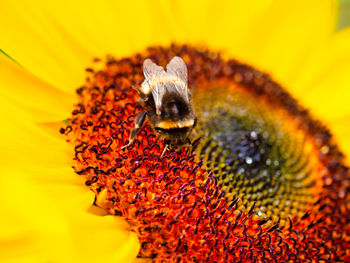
(30, 220)
(340, 128)
(42, 100)
(103, 239)
(83, 30)
(230, 25)
(181, 21)
(278, 39)
(23, 142)
(323, 83)
(274, 35)
(62, 37)
(46, 221)
(30, 36)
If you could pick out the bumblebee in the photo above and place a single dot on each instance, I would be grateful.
(167, 100)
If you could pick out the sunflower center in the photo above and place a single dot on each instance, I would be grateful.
(254, 152)
(243, 191)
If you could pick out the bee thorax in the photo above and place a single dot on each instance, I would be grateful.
(174, 107)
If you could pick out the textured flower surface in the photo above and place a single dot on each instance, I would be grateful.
(263, 180)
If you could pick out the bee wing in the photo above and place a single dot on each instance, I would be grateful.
(151, 70)
(178, 68)
(153, 74)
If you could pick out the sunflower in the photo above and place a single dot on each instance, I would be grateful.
(265, 180)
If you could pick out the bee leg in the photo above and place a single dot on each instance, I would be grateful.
(165, 149)
(140, 118)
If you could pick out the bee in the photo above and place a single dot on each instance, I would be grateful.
(167, 101)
